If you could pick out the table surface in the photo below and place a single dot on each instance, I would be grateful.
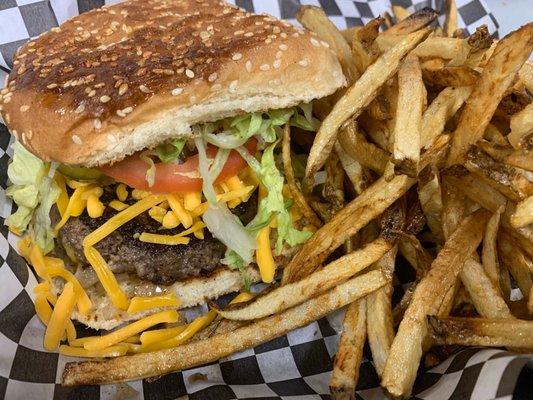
(511, 13)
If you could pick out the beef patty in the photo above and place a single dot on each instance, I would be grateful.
(160, 264)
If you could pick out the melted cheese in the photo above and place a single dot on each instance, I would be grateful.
(106, 277)
(60, 317)
(113, 351)
(74, 208)
(24, 247)
(160, 335)
(134, 328)
(62, 200)
(42, 308)
(117, 220)
(37, 260)
(140, 303)
(81, 341)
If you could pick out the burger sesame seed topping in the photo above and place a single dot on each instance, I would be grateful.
(177, 91)
(105, 98)
(248, 34)
(236, 56)
(91, 93)
(237, 33)
(248, 66)
(213, 77)
(314, 42)
(279, 54)
(7, 99)
(189, 73)
(283, 47)
(276, 64)
(233, 86)
(303, 63)
(144, 89)
(264, 67)
(51, 86)
(24, 108)
(76, 139)
(80, 109)
(97, 123)
(325, 44)
(127, 110)
(122, 89)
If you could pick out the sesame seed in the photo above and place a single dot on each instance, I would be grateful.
(268, 40)
(91, 93)
(121, 113)
(279, 54)
(122, 89)
(24, 108)
(80, 109)
(264, 67)
(204, 35)
(303, 63)
(189, 73)
(283, 35)
(51, 86)
(276, 64)
(127, 110)
(325, 44)
(248, 34)
(237, 33)
(176, 91)
(97, 123)
(7, 99)
(29, 134)
(213, 77)
(233, 86)
(76, 139)
(236, 56)
(314, 42)
(105, 98)
(248, 66)
(283, 47)
(144, 89)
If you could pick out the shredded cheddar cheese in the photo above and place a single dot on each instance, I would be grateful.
(263, 255)
(160, 335)
(24, 247)
(235, 183)
(82, 300)
(134, 328)
(60, 317)
(117, 205)
(112, 351)
(81, 341)
(117, 220)
(95, 207)
(106, 277)
(171, 240)
(224, 197)
(140, 303)
(170, 220)
(183, 215)
(122, 192)
(74, 208)
(191, 200)
(62, 201)
(37, 260)
(42, 308)
(96, 191)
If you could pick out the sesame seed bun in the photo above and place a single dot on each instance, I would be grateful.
(119, 79)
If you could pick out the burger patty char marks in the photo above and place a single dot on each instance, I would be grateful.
(160, 264)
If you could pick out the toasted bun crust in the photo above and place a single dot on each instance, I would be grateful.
(119, 79)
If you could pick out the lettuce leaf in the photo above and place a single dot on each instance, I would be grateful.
(169, 152)
(34, 193)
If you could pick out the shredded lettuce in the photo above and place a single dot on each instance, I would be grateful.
(273, 204)
(169, 152)
(34, 193)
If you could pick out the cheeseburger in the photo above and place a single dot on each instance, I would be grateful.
(145, 170)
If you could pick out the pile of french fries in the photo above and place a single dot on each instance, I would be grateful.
(427, 154)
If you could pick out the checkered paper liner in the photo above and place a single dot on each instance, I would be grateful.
(295, 366)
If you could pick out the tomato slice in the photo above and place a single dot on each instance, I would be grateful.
(170, 177)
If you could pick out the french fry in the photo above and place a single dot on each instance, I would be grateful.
(400, 13)
(519, 265)
(413, 22)
(377, 131)
(489, 253)
(495, 136)
(486, 298)
(387, 19)
(500, 72)
(429, 193)
(357, 174)
(315, 19)
(453, 49)
(523, 214)
(450, 76)
(525, 75)
(482, 332)
(508, 180)
(411, 98)
(349, 33)
(333, 188)
(406, 350)
(211, 349)
(297, 195)
(480, 40)
(350, 352)
(379, 322)
(357, 98)
(368, 154)
(363, 49)
(295, 293)
(346, 223)
(450, 23)
(530, 302)
(507, 155)
(521, 126)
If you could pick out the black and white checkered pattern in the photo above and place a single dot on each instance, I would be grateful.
(295, 366)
